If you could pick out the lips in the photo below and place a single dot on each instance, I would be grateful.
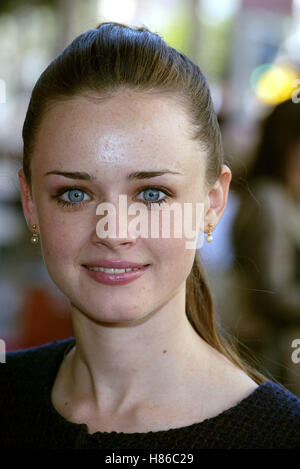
(116, 278)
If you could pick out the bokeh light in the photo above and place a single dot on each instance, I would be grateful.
(121, 11)
(273, 83)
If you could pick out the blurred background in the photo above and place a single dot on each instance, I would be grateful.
(249, 51)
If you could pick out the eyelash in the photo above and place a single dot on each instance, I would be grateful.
(76, 205)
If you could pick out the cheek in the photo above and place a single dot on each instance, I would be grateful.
(174, 258)
(57, 244)
(61, 236)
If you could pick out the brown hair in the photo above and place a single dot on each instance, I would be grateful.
(114, 56)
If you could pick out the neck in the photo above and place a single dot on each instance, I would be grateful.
(115, 364)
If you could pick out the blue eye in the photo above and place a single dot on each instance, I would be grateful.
(153, 195)
(76, 195)
(71, 197)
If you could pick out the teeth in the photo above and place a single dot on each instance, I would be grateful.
(112, 271)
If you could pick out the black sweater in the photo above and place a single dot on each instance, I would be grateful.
(268, 418)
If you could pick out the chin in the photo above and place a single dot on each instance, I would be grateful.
(110, 316)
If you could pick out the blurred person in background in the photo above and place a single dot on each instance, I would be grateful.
(266, 235)
(115, 113)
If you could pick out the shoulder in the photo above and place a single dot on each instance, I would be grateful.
(26, 379)
(32, 355)
(28, 366)
(268, 418)
(275, 397)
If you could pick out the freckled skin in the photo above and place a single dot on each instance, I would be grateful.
(115, 370)
(130, 132)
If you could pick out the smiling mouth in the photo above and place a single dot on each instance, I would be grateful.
(114, 271)
(111, 276)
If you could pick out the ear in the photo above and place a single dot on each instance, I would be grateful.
(27, 202)
(216, 198)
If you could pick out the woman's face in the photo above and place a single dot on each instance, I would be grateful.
(107, 141)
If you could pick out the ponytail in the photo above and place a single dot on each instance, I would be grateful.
(200, 312)
(115, 56)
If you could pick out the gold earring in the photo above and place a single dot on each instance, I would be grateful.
(209, 237)
(35, 237)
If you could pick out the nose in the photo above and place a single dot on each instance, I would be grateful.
(113, 224)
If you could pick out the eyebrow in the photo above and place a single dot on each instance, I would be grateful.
(130, 177)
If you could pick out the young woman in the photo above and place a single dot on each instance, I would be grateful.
(121, 113)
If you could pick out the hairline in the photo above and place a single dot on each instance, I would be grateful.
(105, 95)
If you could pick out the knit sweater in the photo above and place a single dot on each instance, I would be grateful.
(267, 418)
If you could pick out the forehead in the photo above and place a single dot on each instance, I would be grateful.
(128, 130)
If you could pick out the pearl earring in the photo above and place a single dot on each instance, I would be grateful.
(209, 237)
(35, 237)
